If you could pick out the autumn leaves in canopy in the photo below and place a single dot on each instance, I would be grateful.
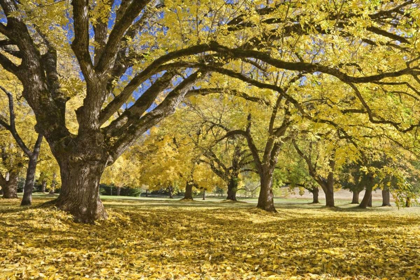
(325, 84)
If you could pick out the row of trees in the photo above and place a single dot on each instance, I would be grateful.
(333, 79)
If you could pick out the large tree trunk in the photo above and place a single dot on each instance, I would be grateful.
(188, 190)
(11, 185)
(315, 195)
(386, 197)
(232, 188)
(367, 198)
(355, 199)
(80, 190)
(266, 196)
(29, 182)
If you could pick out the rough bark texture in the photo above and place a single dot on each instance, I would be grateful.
(315, 195)
(188, 190)
(266, 196)
(355, 199)
(11, 185)
(232, 189)
(80, 190)
(386, 197)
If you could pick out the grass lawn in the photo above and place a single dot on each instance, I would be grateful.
(170, 239)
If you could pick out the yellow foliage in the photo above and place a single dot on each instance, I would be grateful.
(172, 240)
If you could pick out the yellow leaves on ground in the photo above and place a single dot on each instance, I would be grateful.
(209, 240)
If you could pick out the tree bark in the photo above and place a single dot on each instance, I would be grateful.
(118, 191)
(367, 198)
(386, 197)
(44, 185)
(315, 195)
(232, 188)
(11, 185)
(80, 190)
(266, 196)
(188, 191)
(53, 184)
(30, 180)
(204, 194)
(355, 199)
(408, 202)
(171, 192)
(329, 194)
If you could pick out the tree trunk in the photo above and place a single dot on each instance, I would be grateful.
(29, 182)
(355, 199)
(408, 202)
(10, 188)
(44, 185)
(366, 198)
(171, 192)
(315, 195)
(232, 188)
(80, 190)
(204, 194)
(188, 191)
(118, 191)
(266, 196)
(386, 197)
(329, 194)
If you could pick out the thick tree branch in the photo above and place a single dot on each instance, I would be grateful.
(12, 125)
(140, 78)
(109, 53)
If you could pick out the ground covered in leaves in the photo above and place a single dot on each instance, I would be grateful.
(210, 240)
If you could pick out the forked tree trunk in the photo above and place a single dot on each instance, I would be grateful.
(232, 189)
(315, 195)
(80, 190)
(188, 190)
(386, 197)
(266, 196)
(29, 182)
(355, 199)
(366, 198)
(11, 185)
